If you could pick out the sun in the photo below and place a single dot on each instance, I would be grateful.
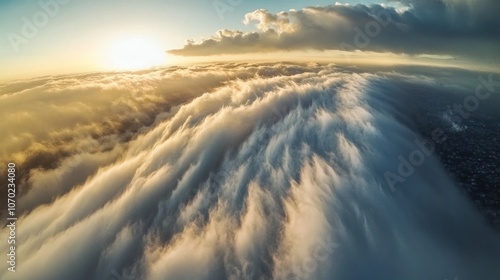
(135, 53)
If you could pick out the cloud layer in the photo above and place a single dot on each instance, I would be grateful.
(276, 171)
(86, 120)
(452, 27)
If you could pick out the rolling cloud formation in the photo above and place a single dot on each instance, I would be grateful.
(448, 27)
(234, 171)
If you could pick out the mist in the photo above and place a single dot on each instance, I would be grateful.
(236, 171)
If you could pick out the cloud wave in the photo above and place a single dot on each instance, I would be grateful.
(276, 171)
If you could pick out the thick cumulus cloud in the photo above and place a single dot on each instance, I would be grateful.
(453, 27)
(275, 173)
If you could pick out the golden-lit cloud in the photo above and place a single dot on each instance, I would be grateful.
(234, 171)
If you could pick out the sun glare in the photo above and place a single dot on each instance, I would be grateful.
(135, 53)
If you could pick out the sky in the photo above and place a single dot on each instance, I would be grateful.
(66, 36)
(80, 33)
(246, 169)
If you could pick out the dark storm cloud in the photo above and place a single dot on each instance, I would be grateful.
(456, 27)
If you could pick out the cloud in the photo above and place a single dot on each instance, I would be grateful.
(275, 171)
(450, 27)
(52, 122)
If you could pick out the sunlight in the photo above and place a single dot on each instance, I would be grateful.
(135, 53)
